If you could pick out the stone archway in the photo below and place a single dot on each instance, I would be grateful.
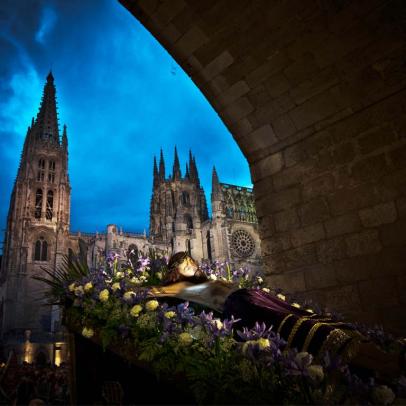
(314, 94)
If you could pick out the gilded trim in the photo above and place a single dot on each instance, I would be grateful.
(310, 335)
(285, 319)
(295, 328)
(314, 329)
(334, 341)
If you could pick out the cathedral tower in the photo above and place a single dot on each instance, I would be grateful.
(178, 207)
(37, 231)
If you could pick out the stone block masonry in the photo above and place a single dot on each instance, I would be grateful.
(315, 96)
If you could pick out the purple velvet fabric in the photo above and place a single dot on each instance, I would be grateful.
(251, 305)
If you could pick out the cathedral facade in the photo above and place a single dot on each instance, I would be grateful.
(38, 232)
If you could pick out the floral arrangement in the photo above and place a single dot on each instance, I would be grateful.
(221, 365)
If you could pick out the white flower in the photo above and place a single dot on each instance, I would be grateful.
(135, 281)
(79, 291)
(382, 395)
(316, 372)
(259, 280)
(300, 356)
(213, 277)
(297, 305)
(71, 287)
(159, 275)
(266, 290)
(280, 296)
(218, 323)
(129, 295)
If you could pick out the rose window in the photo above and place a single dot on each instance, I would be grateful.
(242, 243)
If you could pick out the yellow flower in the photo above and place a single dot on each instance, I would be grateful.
(115, 286)
(263, 343)
(79, 291)
(136, 310)
(129, 295)
(280, 296)
(71, 287)
(88, 286)
(310, 310)
(104, 295)
(120, 274)
(266, 290)
(159, 275)
(151, 305)
(170, 314)
(297, 305)
(87, 332)
(185, 339)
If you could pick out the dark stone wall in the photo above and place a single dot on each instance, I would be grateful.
(314, 94)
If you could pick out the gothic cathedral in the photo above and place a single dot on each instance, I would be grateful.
(38, 230)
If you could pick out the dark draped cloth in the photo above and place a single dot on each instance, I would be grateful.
(300, 328)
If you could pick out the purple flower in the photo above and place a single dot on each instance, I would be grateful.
(258, 331)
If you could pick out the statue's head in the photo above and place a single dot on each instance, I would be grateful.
(182, 267)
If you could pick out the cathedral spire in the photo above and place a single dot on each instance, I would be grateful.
(195, 173)
(176, 166)
(46, 124)
(192, 167)
(187, 175)
(155, 174)
(215, 184)
(161, 166)
(64, 138)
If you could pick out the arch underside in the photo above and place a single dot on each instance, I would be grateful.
(314, 95)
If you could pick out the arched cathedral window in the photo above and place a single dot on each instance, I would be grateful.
(185, 199)
(189, 222)
(208, 241)
(41, 250)
(38, 204)
(41, 170)
(51, 171)
(50, 205)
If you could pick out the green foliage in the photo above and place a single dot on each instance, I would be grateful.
(57, 279)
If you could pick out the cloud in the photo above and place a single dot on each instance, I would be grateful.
(47, 22)
(119, 96)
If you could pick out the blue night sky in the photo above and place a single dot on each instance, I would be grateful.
(121, 96)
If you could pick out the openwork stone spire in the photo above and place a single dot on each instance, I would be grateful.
(215, 188)
(161, 166)
(155, 174)
(176, 166)
(46, 123)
